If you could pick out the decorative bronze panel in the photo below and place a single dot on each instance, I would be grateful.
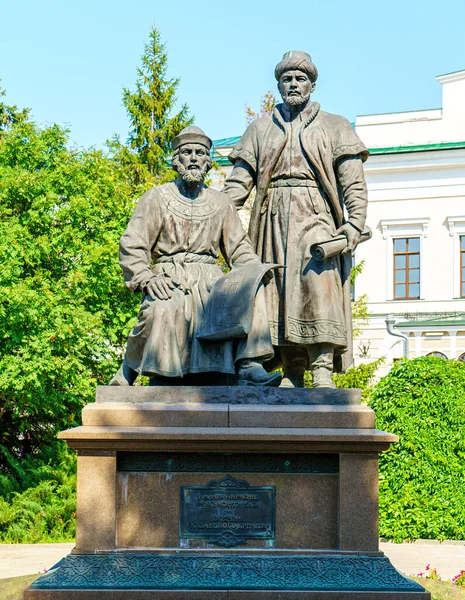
(227, 512)
(334, 573)
(183, 462)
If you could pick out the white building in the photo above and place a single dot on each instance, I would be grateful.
(414, 266)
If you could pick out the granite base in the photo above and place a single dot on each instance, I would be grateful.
(139, 447)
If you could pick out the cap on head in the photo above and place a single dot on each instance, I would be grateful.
(192, 135)
(296, 60)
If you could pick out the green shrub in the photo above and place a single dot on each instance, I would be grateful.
(422, 478)
(38, 500)
(360, 377)
(18, 474)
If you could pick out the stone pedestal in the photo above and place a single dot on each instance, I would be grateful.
(144, 453)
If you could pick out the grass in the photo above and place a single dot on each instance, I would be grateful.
(441, 590)
(13, 588)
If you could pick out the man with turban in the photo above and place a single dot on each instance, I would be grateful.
(306, 165)
(169, 252)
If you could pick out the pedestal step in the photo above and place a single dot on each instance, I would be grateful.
(236, 577)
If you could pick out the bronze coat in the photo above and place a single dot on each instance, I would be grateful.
(325, 140)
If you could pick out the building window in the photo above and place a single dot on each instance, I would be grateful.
(407, 268)
(462, 266)
(437, 355)
(462, 357)
(397, 229)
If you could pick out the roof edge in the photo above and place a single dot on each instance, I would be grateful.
(418, 148)
(224, 161)
(450, 77)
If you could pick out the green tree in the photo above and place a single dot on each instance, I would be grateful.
(152, 124)
(360, 312)
(64, 310)
(362, 377)
(267, 105)
(10, 114)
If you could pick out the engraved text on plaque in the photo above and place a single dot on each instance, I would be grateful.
(227, 512)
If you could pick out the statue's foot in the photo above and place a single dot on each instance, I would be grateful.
(253, 373)
(124, 376)
(119, 379)
(292, 380)
(321, 378)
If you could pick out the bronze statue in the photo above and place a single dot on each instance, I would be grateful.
(306, 165)
(169, 252)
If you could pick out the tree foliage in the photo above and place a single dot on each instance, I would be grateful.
(65, 312)
(152, 124)
(422, 477)
(38, 497)
(10, 114)
(64, 309)
(360, 313)
(361, 376)
(267, 105)
(42, 514)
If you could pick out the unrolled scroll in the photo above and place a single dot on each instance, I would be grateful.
(228, 312)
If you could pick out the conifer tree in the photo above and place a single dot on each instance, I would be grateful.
(150, 107)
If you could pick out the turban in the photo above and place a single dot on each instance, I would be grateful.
(192, 135)
(296, 60)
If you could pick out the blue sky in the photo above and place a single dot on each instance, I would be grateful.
(68, 61)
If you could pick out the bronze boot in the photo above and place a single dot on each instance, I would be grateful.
(295, 362)
(322, 359)
(252, 372)
(124, 376)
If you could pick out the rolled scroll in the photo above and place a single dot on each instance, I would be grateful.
(335, 246)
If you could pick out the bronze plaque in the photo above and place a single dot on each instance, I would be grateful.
(227, 512)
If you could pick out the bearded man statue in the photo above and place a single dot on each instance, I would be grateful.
(306, 165)
(169, 253)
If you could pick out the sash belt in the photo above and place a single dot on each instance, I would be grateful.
(294, 183)
(186, 257)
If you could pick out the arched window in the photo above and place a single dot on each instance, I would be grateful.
(462, 357)
(437, 355)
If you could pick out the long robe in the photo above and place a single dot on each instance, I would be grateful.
(172, 236)
(307, 170)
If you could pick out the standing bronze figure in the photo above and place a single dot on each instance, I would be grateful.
(306, 165)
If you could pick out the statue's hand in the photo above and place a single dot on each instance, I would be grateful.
(353, 236)
(160, 287)
(269, 276)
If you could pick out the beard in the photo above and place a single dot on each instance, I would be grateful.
(294, 100)
(192, 175)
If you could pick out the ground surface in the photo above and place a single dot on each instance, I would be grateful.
(441, 590)
(30, 559)
(12, 589)
(447, 557)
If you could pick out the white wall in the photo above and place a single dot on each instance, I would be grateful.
(414, 194)
(420, 127)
